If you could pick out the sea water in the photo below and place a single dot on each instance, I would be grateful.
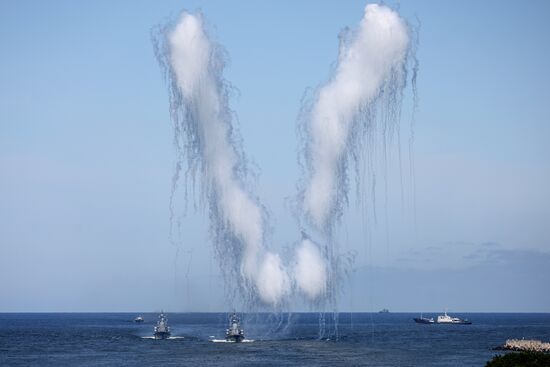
(364, 339)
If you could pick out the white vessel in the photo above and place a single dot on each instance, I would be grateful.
(446, 319)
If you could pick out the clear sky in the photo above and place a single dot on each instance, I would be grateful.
(86, 155)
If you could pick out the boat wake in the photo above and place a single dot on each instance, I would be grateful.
(231, 341)
(169, 338)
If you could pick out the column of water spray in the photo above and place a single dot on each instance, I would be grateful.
(209, 150)
(337, 125)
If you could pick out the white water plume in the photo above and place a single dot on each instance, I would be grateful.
(310, 270)
(371, 60)
(337, 123)
(206, 138)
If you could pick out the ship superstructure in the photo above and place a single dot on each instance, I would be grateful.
(446, 319)
(162, 330)
(234, 333)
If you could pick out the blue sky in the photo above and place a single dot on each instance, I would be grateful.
(86, 152)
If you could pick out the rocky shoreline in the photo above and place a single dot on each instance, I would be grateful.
(522, 345)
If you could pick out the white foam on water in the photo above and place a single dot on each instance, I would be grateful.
(231, 341)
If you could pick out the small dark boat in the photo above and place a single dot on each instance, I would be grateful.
(424, 320)
(384, 310)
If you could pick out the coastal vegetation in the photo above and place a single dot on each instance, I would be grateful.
(521, 359)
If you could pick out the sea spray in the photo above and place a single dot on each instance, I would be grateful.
(208, 146)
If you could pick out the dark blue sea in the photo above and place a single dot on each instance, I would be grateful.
(361, 339)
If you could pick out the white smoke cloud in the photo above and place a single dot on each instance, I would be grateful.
(310, 271)
(378, 48)
(196, 68)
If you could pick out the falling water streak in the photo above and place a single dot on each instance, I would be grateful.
(288, 322)
(400, 164)
(187, 271)
(174, 239)
(367, 227)
(322, 325)
(415, 97)
(281, 319)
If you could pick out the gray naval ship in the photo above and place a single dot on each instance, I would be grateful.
(234, 333)
(162, 330)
